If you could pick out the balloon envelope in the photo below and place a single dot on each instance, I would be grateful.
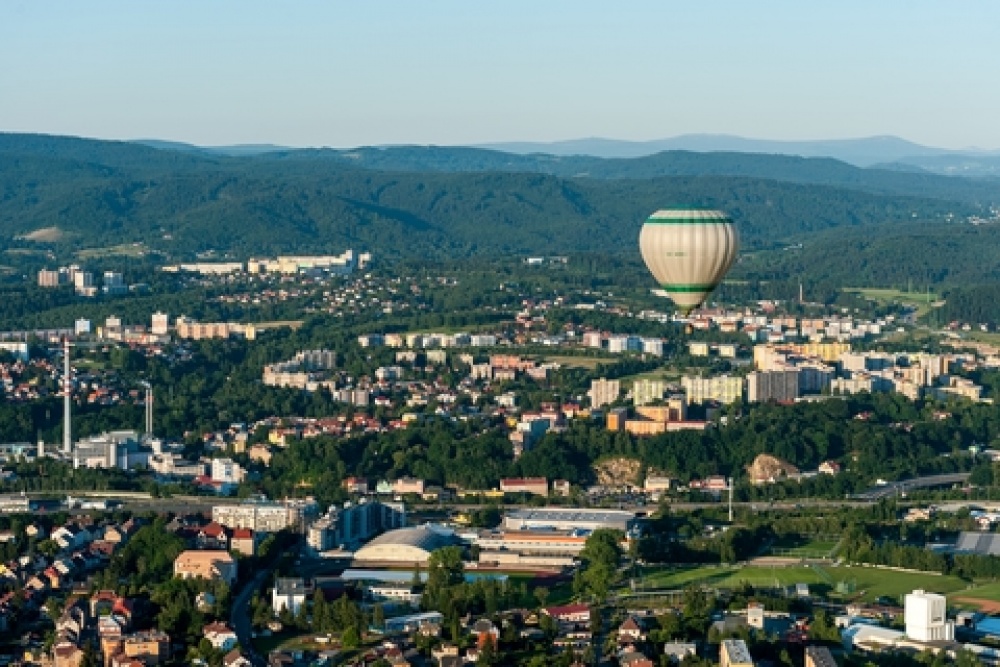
(689, 252)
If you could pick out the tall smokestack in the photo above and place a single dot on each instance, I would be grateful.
(149, 410)
(67, 396)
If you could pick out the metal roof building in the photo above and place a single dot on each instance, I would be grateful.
(984, 544)
(568, 518)
(407, 546)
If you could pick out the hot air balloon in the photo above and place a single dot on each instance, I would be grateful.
(688, 251)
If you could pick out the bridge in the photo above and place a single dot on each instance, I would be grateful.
(901, 487)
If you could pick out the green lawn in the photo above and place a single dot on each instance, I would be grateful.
(985, 592)
(125, 249)
(921, 301)
(291, 641)
(804, 546)
(570, 361)
(868, 583)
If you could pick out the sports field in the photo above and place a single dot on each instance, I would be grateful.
(866, 583)
(804, 546)
(985, 598)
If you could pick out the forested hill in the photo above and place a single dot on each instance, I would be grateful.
(787, 168)
(86, 193)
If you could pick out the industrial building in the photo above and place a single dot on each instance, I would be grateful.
(115, 449)
(569, 519)
(531, 548)
(926, 616)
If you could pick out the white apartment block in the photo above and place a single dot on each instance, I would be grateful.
(160, 324)
(645, 391)
(653, 346)
(723, 388)
(260, 517)
(603, 392)
(227, 471)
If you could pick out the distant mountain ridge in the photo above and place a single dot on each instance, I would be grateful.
(861, 152)
(883, 152)
(178, 203)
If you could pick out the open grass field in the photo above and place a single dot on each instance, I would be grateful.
(123, 250)
(986, 337)
(984, 598)
(291, 641)
(570, 361)
(921, 301)
(867, 583)
(802, 546)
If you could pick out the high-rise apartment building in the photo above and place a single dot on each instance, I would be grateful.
(603, 392)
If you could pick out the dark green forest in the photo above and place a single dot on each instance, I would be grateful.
(99, 194)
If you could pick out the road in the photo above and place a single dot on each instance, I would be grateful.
(240, 618)
(902, 486)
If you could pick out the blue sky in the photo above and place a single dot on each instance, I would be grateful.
(324, 73)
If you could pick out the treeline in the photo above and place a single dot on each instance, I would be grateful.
(180, 204)
(861, 545)
(896, 439)
(978, 304)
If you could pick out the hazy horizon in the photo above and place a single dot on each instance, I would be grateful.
(455, 74)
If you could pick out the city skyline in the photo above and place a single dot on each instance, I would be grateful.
(345, 75)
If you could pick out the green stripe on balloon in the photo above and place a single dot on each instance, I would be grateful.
(689, 221)
(688, 288)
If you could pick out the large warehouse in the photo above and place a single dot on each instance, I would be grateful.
(568, 518)
(405, 546)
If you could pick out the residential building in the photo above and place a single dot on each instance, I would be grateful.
(645, 391)
(205, 565)
(227, 471)
(538, 486)
(734, 653)
(724, 389)
(289, 593)
(779, 385)
(243, 541)
(405, 485)
(354, 524)
(603, 392)
(52, 278)
(220, 635)
(260, 516)
(152, 647)
(819, 656)
(160, 324)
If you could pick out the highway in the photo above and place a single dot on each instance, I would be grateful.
(138, 501)
(901, 487)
